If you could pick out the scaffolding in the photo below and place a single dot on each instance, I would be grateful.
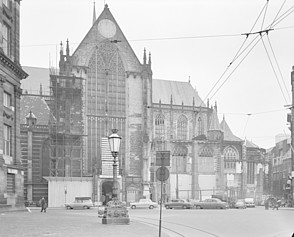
(66, 126)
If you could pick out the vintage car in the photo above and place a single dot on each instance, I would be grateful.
(249, 202)
(211, 203)
(178, 203)
(240, 204)
(143, 203)
(80, 203)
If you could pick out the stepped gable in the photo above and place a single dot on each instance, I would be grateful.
(181, 92)
(228, 135)
(94, 39)
(37, 105)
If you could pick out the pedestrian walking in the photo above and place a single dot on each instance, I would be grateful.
(43, 204)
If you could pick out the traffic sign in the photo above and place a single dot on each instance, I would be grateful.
(163, 158)
(162, 173)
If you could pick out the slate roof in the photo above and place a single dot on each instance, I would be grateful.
(180, 92)
(250, 144)
(36, 77)
(228, 135)
(37, 105)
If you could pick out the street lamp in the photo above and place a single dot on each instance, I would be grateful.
(116, 211)
(114, 144)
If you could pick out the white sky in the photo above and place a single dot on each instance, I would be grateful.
(253, 88)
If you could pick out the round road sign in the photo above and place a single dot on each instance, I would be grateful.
(162, 173)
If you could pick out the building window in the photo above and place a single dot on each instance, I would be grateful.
(10, 183)
(7, 140)
(231, 156)
(179, 160)
(6, 99)
(250, 172)
(6, 39)
(182, 128)
(159, 126)
(206, 161)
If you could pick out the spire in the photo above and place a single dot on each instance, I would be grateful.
(144, 57)
(149, 60)
(61, 48)
(41, 89)
(214, 122)
(94, 14)
(67, 47)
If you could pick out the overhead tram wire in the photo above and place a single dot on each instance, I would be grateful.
(235, 69)
(283, 16)
(238, 54)
(256, 113)
(273, 69)
(278, 66)
(278, 13)
(269, 28)
(264, 14)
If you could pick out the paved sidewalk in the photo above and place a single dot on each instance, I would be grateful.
(59, 222)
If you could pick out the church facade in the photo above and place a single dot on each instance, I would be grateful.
(102, 85)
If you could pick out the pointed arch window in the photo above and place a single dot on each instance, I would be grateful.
(206, 162)
(231, 156)
(179, 160)
(159, 126)
(182, 128)
(206, 152)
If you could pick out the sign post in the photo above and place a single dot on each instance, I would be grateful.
(162, 174)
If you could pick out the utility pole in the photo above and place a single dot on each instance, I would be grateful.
(292, 135)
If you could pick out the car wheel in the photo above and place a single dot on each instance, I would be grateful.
(68, 207)
(167, 207)
(184, 207)
(151, 207)
(133, 207)
(198, 207)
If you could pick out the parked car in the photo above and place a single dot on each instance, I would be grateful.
(249, 202)
(240, 204)
(178, 203)
(211, 203)
(80, 203)
(144, 203)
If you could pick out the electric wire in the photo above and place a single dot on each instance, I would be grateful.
(256, 113)
(246, 124)
(279, 19)
(264, 14)
(271, 63)
(278, 13)
(278, 66)
(234, 69)
(238, 54)
(283, 16)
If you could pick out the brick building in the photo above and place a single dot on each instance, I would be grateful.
(11, 74)
(34, 138)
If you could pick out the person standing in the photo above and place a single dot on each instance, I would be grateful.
(43, 204)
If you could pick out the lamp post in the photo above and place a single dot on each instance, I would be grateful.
(115, 212)
(114, 144)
